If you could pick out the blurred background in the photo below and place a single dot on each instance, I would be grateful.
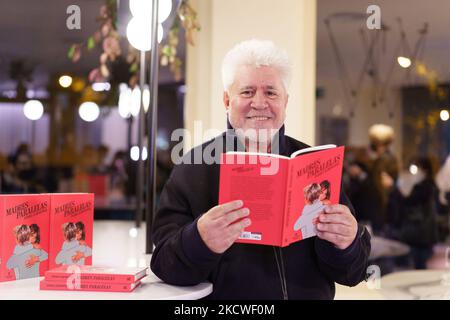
(372, 78)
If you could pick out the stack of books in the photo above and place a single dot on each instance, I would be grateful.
(39, 232)
(93, 278)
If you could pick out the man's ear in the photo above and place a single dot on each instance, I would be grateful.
(226, 100)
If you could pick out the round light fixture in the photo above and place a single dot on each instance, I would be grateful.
(135, 101)
(33, 109)
(134, 153)
(404, 62)
(65, 81)
(146, 98)
(124, 101)
(413, 169)
(444, 115)
(139, 31)
(89, 111)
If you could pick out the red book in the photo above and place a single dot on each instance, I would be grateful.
(24, 230)
(71, 229)
(101, 287)
(96, 274)
(284, 194)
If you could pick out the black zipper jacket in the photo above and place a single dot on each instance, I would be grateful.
(304, 270)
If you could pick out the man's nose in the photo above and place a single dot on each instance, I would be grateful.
(259, 101)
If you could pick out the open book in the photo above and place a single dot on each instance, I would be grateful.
(284, 194)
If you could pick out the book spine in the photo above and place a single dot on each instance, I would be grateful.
(100, 278)
(99, 287)
(287, 206)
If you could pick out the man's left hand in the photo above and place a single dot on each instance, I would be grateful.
(337, 225)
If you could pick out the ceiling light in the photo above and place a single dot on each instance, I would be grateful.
(33, 109)
(404, 62)
(65, 81)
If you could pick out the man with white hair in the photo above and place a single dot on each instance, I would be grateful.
(195, 237)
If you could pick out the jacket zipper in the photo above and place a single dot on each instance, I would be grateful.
(281, 272)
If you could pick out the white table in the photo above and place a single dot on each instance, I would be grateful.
(151, 289)
(383, 248)
(416, 285)
(359, 292)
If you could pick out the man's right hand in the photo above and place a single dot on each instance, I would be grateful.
(218, 227)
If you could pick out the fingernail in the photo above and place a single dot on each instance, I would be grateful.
(239, 203)
(248, 222)
(246, 211)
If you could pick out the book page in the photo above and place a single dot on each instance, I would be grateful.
(316, 181)
(261, 185)
(312, 149)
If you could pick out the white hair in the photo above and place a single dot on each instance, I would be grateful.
(255, 53)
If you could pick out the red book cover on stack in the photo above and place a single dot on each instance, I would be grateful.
(93, 278)
(97, 274)
(284, 194)
(71, 228)
(101, 287)
(24, 224)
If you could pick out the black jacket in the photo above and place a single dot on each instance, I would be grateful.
(245, 271)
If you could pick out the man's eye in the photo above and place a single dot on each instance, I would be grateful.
(246, 93)
(271, 93)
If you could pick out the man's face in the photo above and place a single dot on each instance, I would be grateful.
(256, 99)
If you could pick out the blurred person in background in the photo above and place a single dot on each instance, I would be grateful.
(118, 176)
(442, 181)
(87, 161)
(443, 184)
(418, 226)
(102, 154)
(382, 170)
(20, 175)
(357, 187)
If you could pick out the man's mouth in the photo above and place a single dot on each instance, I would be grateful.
(259, 118)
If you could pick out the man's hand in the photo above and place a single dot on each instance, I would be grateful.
(218, 227)
(30, 262)
(338, 226)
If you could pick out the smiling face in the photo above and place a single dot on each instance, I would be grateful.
(256, 99)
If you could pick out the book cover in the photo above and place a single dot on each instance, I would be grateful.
(284, 194)
(24, 236)
(99, 287)
(97, 274)
(71, 229)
